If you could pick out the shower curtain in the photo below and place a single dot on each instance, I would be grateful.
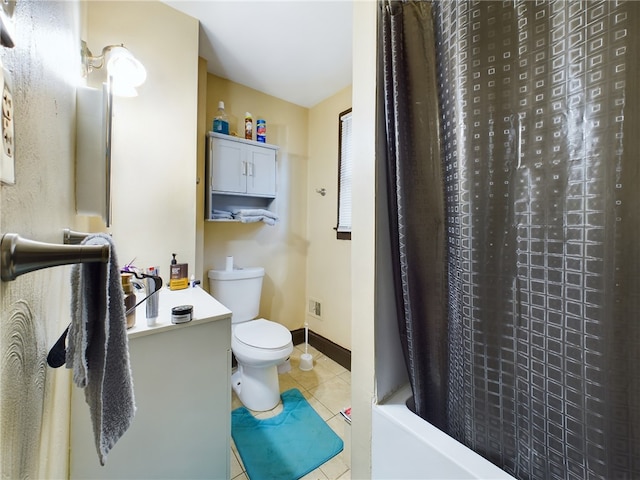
(512, 162)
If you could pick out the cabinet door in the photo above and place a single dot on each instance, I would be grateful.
(261, 178)
(182, 427)
(228, 166)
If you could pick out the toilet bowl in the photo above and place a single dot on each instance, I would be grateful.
(259, 345)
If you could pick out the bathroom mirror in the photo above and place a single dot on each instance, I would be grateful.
(94, 115)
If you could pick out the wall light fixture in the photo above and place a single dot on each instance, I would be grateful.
(125, 72)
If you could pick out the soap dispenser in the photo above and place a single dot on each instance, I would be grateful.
(179, 274)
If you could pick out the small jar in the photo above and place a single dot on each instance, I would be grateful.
(181, 314)
(129, 298)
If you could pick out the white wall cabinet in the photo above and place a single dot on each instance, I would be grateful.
(240, 173)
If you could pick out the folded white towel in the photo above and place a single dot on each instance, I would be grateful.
(256, 218)
(221, 214)
(255, 212)
(98, 348)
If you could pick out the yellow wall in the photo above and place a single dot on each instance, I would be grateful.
(154, 134)
(280, 249)
(329, 259)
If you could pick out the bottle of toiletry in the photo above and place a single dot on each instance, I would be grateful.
(129, 298)
(261, 130)
(152, 285)
(179, 275)
(248, 126)
(221, 120)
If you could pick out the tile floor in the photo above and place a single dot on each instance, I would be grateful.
(327, 388)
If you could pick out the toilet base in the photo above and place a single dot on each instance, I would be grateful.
(257, 388)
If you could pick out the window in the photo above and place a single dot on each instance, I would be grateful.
(345, 167)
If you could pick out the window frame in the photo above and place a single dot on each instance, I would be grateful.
(342, 235)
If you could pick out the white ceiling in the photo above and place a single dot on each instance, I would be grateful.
(295, 50)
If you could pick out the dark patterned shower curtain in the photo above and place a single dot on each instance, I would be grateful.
(513, 177)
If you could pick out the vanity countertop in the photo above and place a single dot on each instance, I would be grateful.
(205, 309)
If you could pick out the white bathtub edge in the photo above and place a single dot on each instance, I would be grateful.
(397, 431)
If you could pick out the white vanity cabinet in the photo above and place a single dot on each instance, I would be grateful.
(182, 385)
(240, 173)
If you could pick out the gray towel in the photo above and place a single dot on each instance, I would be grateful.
(98, 348)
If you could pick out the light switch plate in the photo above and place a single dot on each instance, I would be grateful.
(7, 154)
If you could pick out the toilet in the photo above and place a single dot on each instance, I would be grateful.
(259, 345)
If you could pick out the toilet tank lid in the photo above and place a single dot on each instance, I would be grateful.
(236, 273)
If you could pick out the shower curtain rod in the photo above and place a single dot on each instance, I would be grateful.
(20, 255)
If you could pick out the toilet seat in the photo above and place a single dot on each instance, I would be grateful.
(268, 344)
(263, 334)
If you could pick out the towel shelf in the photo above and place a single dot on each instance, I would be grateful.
(19, 255)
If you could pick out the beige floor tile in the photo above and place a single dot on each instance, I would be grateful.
(331, 365)
(323, 411)
(287, 382)
(236, 466)
(311, 378)
(345, 476)
(317, 474)
(337, 424)
(234, 449)
(343, 458)
(236, 454)
(335, 394)
(346, 376)
(334, 467)
(242, 476)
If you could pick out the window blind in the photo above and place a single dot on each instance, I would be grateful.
(345, 173)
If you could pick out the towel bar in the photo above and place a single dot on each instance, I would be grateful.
(19, 255)
(71, 237)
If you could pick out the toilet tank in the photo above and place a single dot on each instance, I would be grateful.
(238, 290)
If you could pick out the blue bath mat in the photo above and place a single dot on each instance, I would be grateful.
(287, 446)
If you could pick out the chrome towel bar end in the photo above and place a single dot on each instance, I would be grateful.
(19, 255)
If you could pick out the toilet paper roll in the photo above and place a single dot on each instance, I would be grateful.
(229, 265)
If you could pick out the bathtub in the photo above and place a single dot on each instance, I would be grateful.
(405, 446)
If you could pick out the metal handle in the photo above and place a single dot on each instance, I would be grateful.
(71, 237)
(19, 255)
